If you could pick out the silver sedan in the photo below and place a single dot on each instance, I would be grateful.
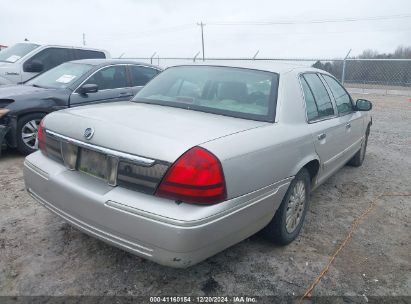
(202, 158)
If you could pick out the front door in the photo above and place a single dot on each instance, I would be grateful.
(113, 85)
(324, 125)
(350, 119)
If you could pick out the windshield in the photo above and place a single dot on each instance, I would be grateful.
(236, 92)
(61, 76)
(15, 52)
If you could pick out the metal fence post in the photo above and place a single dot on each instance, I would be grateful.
(151, 58)
(343, 69)
(255, 55)
(195, 56)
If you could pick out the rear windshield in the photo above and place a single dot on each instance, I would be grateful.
(15, 52)
(236, 92)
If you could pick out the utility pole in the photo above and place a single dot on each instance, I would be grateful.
(84, 39)
(201, 24)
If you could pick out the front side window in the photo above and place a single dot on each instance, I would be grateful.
(61, 76)
(51, 57)
(15, 52)
(322, 99)
(141, 75)
(341, 97)
(112, 77)
(236, 92)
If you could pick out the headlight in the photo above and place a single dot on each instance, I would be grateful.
(3, 112)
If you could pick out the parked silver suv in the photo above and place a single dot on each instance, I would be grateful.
(23, 61)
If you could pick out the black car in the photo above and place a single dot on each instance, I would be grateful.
(70, 84)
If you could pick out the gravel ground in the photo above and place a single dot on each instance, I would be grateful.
(42, 255)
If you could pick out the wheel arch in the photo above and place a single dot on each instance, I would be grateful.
(12, 139)
(368, 129)
(312, 164)
(22, 114)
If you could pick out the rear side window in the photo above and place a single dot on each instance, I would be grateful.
(321, 97)
(310, 105)
(140, 75)
(342, 99)
(88, 54)
(112, 77)
(52, 57)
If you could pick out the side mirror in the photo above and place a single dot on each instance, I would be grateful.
(34, 66)
(88, 88)
(363, 105)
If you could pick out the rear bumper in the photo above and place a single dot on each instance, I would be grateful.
(153, 228)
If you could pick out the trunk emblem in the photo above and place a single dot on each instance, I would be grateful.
(88, 133)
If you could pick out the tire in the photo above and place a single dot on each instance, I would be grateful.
(358, 158)
(26, 132)
(277, 230)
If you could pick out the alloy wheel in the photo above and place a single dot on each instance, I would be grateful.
(29, 133)
(295, 207)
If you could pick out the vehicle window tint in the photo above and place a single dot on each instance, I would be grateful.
(141, 75)
(311, 106)
(322, 99)
(110, 78)
(342, 99)
(86, 54)
(52, 57)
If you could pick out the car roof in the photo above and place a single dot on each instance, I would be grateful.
(103, 62)
(263, 65)
(62, 46)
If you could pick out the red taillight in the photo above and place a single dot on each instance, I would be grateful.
(41, 139)
(196, 177)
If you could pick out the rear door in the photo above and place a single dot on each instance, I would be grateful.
(140, 75)
(348, 117)
(323, 123)
(113, 85)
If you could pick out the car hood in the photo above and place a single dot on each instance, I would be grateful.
(5, 68)
(152, 131)
(14, 91)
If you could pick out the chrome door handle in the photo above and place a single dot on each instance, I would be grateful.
(124, 94)
(348, 125)
(321, 136)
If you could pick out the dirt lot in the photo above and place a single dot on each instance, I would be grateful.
(42, 255)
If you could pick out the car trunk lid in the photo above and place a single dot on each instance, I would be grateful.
(152, 131)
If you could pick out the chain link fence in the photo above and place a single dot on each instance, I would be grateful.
(364, 76)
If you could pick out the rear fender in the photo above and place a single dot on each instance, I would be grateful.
(299, 165)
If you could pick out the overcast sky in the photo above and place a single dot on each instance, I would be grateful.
(168, 27)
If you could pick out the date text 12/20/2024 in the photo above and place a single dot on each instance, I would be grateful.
(204, 299)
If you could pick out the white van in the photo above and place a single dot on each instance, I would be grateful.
(23, 61)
